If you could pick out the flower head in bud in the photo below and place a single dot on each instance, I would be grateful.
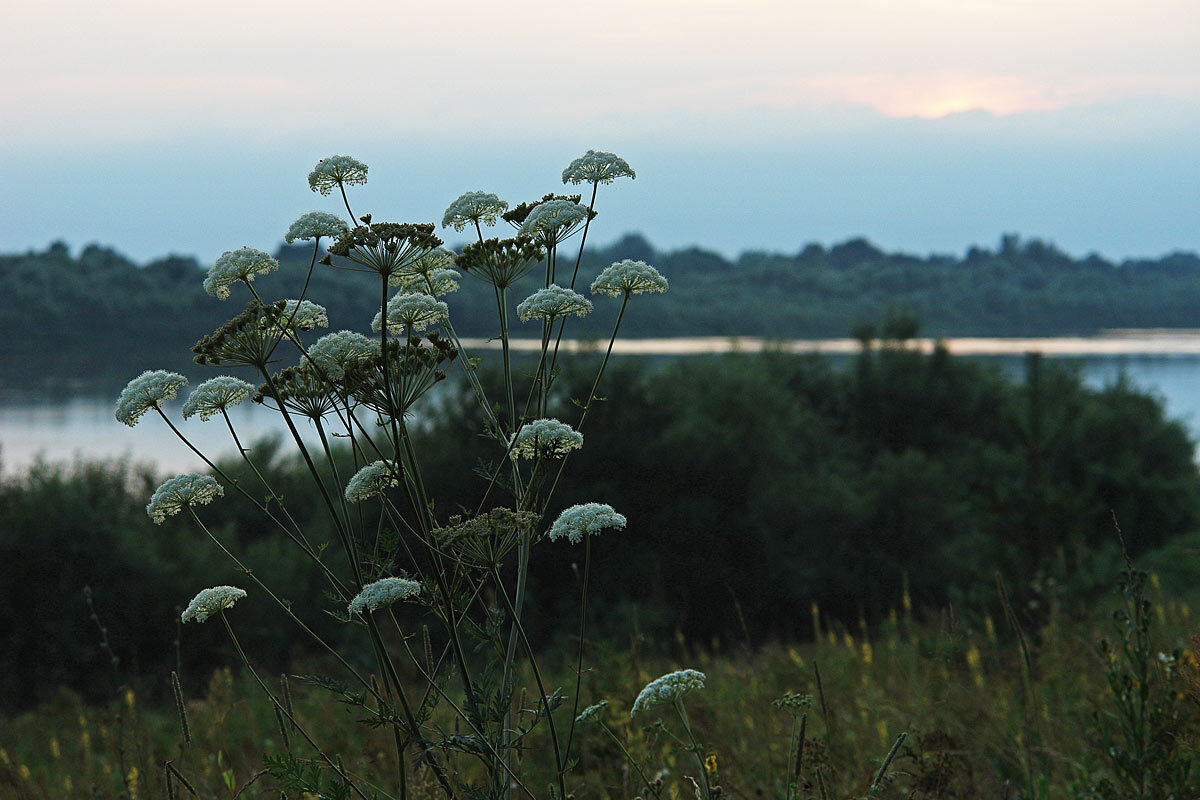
(554, 220)
(667, 689)
(383, 593)
(145, 392)
(237, 265)
(373, 479)
(297, 315)
(178, 493)
(411, 312)
(583, 520)
(500, 262)
(553, 302)
(545, 438)
(473, 208)
(389, 248)
(592, 712)
(596, 166)
(314, 225)
(336, 171)
(333, 353)
(211, 601)
(629, 277)
(436, 282)
(215, 396)
(517, 215)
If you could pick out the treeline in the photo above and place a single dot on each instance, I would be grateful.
(754, 486)
(98, 317)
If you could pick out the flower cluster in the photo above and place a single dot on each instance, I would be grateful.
(388, 248)
(180, 492)
(553, 220)
(334, 352)
(553, 302)
(667, 689)
(544, 438)
(297, 315)
(237, 265)
(211, 601)
(145, 392)
(596, 166)
(373, 479)
(215, 396)
(629, 277)
(314, 225)
(383, 593)
(436, 282)
(516, 216)
(484, 540)
(248, 339)
(581, 520)
(592, 712)
(336, 171)
(473, 208)
(500, 262)
(411, 312)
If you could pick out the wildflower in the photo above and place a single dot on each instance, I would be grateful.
(435, 282)
(314, 225)
(215, 396)
(334, 352)
(500, 262)
(668, 689)
(596, 166)
(145, 392)
(373, 479)
(545, 438)
(588, 518)
(211, 601)
(389, 248)
(237, 265)
(411, 312)
(553, 220)
(592, 712)
(336, 172)
(296, 315)
(382, 593)
(180, 492)
(473, 208)
(553, 302)
(628, 277)
(484, 540)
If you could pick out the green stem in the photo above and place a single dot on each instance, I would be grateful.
(587, 566)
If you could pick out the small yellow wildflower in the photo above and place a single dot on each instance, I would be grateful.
(848, 640)
(55, 748)
(816, 618)
(832, 637)
(990, 627)
(1155, 582)
(867, 655)
(710, 764)
(796, 658)
(893, 617)
(881, 727)
(132, 780)
(906, 601)
(1185, 610)
(67, 784)
(24, 772)
(85, 741)
(129, 698)
(4, 757)
(975, 662)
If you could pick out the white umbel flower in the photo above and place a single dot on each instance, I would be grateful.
(216, 395)
(472, 208)
(436, 282)
(314, 225)
(300, 315)
(553, 302)
(211, 601)
(592, 712)
(180, 492)
(667, 689)
(336, 351)
(629, 277)
(411, 311)
(373, 479)
(145, 392)
(581, 520)
(383, 593)
(545, 438)
(237, 265)
(553, 219)
(596, 166)
(335, 171)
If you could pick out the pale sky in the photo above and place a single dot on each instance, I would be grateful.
(926, 125)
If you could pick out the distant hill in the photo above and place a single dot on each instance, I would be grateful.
(98, 317)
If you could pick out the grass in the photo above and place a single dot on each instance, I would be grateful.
(982, 720)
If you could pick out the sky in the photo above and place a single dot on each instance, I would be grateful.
(924, 125)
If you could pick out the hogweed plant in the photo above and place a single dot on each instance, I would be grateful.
(459, 716)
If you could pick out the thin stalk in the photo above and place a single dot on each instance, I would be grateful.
(630, 759)
(695, 746)
(353, 219)
(244, 452)
(587, 566)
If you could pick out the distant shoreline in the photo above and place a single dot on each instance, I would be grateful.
(1119, 342)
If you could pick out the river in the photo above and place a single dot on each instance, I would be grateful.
(82, 425)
